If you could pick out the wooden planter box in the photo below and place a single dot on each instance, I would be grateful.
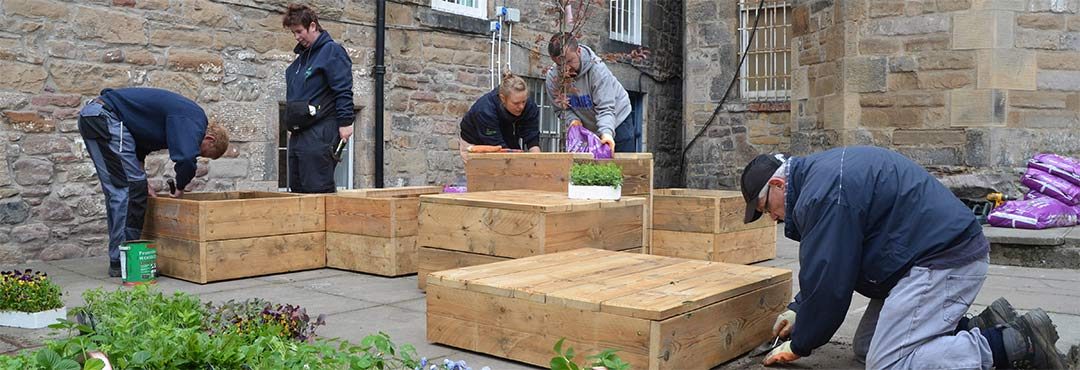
(707, 225)
(459, 230)
(658, 312)
(206, 237)
(551, 172)
(374, 230)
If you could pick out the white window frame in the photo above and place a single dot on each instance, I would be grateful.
(552, 138)
(767, 28)
(479, 11)
(617, 30)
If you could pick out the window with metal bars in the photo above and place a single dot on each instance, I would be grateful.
(625, 21)
(471, 8)
(551, 133)
(766, 73)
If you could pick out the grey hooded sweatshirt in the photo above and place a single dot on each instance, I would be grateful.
(600, 101)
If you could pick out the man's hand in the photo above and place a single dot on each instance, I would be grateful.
(345, 132)
(150, 190)
(575, 123)
(534, 149)
(784, 323)
(607, 139)
(178, 194)
(781, 354)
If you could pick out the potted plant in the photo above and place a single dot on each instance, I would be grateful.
(595, 181)
(28, 299)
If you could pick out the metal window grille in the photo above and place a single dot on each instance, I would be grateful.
(625, 21)
(471, 8)
(551, 134)
(766, 73)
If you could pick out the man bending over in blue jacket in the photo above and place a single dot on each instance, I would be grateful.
(120, 128)
(871, 221)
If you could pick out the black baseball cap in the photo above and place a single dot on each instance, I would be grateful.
(754, 177)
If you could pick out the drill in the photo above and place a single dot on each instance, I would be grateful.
(998, 198)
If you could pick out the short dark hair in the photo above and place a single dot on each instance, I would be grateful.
(559, 42)
(301, 15)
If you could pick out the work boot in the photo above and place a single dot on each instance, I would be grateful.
(114, 269)
(1030, 342)
(1000, 312)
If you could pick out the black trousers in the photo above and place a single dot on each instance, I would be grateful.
(311, 162)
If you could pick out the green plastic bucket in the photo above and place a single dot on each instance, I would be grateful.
(138, 262)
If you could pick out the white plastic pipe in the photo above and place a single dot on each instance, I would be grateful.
(499, 28)
(491, 64)
(509, 40)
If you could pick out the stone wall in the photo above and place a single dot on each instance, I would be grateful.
(741, 130)
(970, 89)
(229, 56)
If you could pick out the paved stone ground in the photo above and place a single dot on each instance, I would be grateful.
(358, 304)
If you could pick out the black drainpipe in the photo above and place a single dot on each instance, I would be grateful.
(380, 72)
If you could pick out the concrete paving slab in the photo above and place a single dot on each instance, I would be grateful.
(28, 338)
(834, 355)
(1047, 237)
(366, 287)
(1034, 273)
(169, 285)
(293, 277)
(1072, 238)
(316, 303)
(418, 305)
(7, 348)
(477, 361)
(73, 291)
(403, 326)
(94, 267)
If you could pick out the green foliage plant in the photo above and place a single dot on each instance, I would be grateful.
(606, 359)
(595, 174)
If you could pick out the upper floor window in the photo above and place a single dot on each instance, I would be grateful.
(766, 73)
(625, 21)
(471, 8)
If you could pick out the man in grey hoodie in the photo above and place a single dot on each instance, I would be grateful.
(583, 89)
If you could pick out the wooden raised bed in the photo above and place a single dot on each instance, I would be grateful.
(551, 172)
(707, 225)
(206, 237)
(658, 312)
(459, 230)
(374, 230)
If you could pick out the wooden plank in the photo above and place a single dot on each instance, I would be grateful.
(179, 258)
(628, 335)
(518, 284)
(528, 200)
(746, 246)
(174, 218)
(237, 219)
(607, 228)
(540, 171)
(697, 246)
(541, 291)
(453, 276)
(203, 262)
(371, 254)
(407, 191)
(433, 260)
(719, 332)
(684, 213)
(495, 232)
(720, 282)
(589, 295)
(372, 216)
(239, 258)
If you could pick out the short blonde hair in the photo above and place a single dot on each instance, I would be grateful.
(221, 140)
(512, 83)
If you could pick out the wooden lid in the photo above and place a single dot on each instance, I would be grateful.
(529, 155)
(528, 200)
(388, 192)
(706, 193)
(625, 284)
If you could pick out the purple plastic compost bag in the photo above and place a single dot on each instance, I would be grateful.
(1039, 213)
(1052, 186)
(580, 140)
(1063, 167)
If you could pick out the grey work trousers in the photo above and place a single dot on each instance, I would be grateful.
(914, 327)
